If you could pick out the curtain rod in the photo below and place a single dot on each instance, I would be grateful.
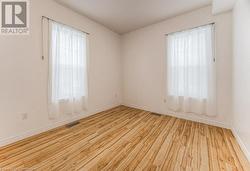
(190, 28)
(64, 24)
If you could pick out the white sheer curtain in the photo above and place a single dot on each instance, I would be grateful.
(67, 70)
(191, 81)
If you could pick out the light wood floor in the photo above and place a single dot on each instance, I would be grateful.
(128, 139)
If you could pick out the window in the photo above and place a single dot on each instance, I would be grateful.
(190, 68)
(68, 69)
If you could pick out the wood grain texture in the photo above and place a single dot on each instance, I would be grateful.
(128, 139)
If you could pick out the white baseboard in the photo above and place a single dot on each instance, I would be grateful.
(190, 117)
(12, 139)
(242, 145)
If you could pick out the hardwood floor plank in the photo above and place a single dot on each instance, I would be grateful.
(203, 148)
(125, 138)
(63, 140)
(163, 152)
(92, 130)
(133, 148)
(188, 137)
(104, 158)
(114, 132)
(147, 162)
(174, 147)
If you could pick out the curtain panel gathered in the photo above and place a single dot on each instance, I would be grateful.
(67, 89)
(191, 71)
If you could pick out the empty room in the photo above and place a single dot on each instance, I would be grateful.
(125, 85)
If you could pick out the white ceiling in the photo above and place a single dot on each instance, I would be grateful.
(220, 6)
(123, 16)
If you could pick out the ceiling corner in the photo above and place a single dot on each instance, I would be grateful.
(220, 6)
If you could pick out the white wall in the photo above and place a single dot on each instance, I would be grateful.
(241, 74)
(144, 53)
(23, 75)
(140, 78)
